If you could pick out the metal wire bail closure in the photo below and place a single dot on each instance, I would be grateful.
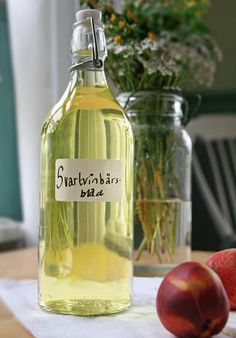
(95, 62)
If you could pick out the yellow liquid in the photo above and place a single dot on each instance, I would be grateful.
(85, 248)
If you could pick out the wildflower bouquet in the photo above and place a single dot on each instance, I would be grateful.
(157, 43)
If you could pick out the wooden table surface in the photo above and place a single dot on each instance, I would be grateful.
(22, 264)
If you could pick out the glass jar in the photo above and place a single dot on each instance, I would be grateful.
(162, 181)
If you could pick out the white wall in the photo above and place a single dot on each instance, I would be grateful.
(62, 19)
(40, 32)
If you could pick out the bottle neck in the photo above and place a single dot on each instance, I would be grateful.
(89, 77)
(88, 53)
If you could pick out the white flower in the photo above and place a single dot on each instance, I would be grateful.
(196, 56)
(127, 50)
(147, 43)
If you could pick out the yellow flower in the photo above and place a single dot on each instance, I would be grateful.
(93, 2)
(199, 13)
(113, 17)
(109, 9)
(118, 40)
(190, 3)
(132, 15)
(121, 23)
(152, 36)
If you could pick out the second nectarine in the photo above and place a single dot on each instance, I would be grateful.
(192, 302)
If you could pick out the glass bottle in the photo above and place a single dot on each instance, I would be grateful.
(86, 212)
(163, 180)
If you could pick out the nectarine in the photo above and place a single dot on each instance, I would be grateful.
(224, 264)
(191, 301)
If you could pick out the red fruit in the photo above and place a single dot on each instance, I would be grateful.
(191, 301)
(224, 264)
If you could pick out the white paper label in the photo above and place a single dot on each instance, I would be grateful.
(88, 180)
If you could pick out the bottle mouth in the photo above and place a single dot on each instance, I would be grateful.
(88, 42)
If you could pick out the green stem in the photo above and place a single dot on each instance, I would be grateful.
(141, 248)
